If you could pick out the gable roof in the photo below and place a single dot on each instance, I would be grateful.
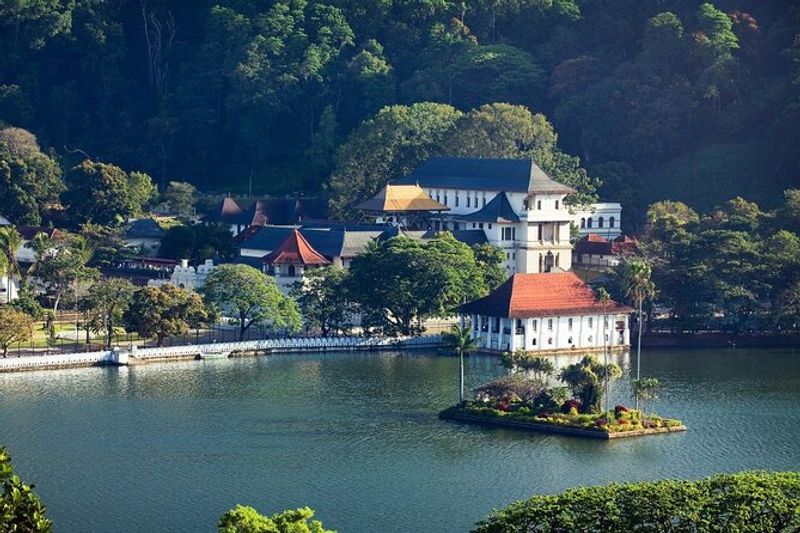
(225, 211)
(295, 250)
(328, 241)
(497, 210)
(281, 211)
(144, 228)
(392, 198)
(594, 244)
(476, 173)
(547, 294)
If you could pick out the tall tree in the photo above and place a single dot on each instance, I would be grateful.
(107, 301)
(163, 312)
(324, 300)
(459, 339)
(105, 194)
(251, 297)
(638, 287)
(10, 243)
(15, 327)
(181, 197)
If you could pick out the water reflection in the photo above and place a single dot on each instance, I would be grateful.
(171, 446)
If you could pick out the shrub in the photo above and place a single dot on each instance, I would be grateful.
(745, 502)
(571, 404)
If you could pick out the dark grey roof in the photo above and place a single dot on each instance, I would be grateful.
(470, 237)
(144, 228)
(474, 173)
(497, 210)
(328, 241)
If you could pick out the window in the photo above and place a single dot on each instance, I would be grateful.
(557, 258)
(611, 222)
(507, 234)
(484, 201)
(534, 342)
(605, 322)
(438, 199)
(525, 204)
(590, 338)
(535, 324)
(539, 205)
(490, 226)
(469, 199)
(292, 271)
(569, 340)
(456, 199)
(583, 223)
(520, 328)
(591, 323)
(445, 198)
(514, 234)
(549, 324)
(600, 222)
(569, 324)
(473, 225)
(589, 223)
(556, 204)
(539, 232)
(480, 225)
(456, 226)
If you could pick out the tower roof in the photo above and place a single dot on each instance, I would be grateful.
(295, 250)
(395, 198)
(497, 210)
(226, 210)
(547, 294)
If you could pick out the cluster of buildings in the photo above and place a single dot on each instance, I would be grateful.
(508, 203)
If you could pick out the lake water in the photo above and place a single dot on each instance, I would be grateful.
(170, 447)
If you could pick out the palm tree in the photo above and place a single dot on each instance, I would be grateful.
(10, 242)
(585, 378)
(646, 389)
(459, 339)
(540, 367)
(638, 287)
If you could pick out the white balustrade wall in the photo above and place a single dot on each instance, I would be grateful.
(307, 344)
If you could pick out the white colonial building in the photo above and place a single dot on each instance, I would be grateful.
(603, 219)
(547, 312)
(519, 207)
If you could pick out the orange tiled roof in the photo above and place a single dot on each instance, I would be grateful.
(548, 294)
(295, 250)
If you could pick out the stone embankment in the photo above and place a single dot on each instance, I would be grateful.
(194, 351)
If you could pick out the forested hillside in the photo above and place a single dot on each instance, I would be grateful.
(660, 99)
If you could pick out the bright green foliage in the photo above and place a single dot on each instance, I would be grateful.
(251, 297)
(105, 194)
(10, 243)
(181, 197)
(163, 312)
(389, 145)
(106, 302)
(324, 300)
(401, 282)
(490, 261)
(15, 326)
(746, 502)
(645, 390)
(20, 508)
(107, 245)
(197, 243)
(586, 379)
(61, 262)
(242, 519)
(29, 179)
(539, 367)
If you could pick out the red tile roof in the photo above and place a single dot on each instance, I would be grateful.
(548, 294)
(594, 244)
(295, 250)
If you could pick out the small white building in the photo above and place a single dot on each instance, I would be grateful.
(185, 276)
(548, 312)
(291, 260)
(603, 219)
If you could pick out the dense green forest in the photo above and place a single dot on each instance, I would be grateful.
(676, 99)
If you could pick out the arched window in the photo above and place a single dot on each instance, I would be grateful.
(600, 222)
(583, 223)
(292, 271)
(611, 222)
(589, 223)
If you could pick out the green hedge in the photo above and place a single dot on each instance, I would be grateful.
(745, 502)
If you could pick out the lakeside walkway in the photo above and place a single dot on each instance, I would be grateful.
(193, 351)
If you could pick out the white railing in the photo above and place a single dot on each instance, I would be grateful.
(299, 344)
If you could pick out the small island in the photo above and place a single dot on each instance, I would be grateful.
(523, 400)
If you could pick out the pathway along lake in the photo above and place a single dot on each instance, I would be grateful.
(170, 447)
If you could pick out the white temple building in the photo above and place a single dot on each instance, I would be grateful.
(185, 276)
(519, 207)
(547, 312)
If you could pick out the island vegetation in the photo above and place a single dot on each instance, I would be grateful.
(526, 399)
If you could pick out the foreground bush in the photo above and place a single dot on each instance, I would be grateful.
(745, 502)
(20, 509)
(244, 519)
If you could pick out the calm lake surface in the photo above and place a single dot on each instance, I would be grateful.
(170, 447)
